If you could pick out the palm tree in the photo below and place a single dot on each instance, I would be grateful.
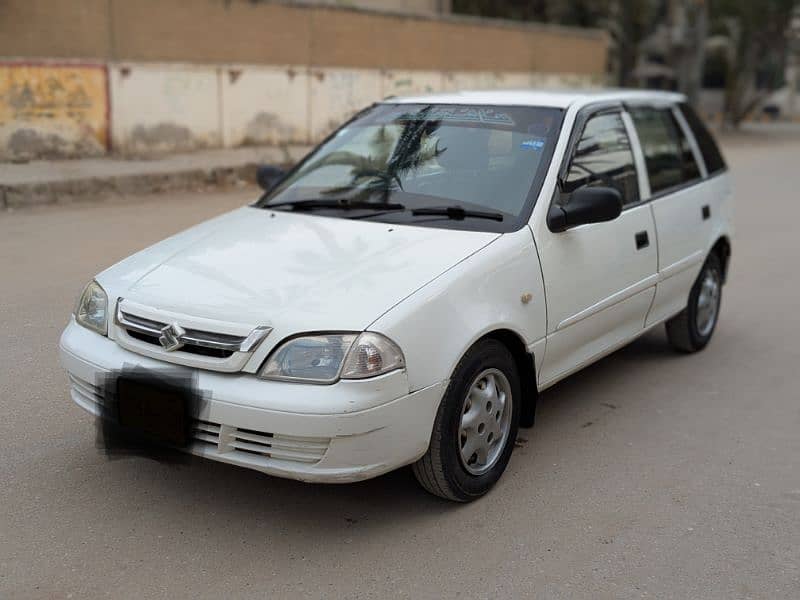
(390, 159)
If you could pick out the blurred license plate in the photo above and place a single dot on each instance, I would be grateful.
(157, 413)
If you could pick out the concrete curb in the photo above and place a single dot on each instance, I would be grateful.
(99, 188)
(97, 180)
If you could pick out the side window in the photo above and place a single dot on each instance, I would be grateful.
(603, 157)
(708, 147)
(666, 149)
(691, 170)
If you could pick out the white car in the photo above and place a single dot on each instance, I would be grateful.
(404, 293)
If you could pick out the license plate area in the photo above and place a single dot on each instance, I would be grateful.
(153, 411)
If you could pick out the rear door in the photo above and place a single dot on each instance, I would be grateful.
(599, 278)
(682, 201)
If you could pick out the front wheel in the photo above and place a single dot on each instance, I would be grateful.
(476, 425)
(691, 329)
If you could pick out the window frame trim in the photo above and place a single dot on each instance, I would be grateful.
(638, 157)
(621, 106)
(687, 131)
(578, 125)
(725, 167)
(674, 108)
(670, 107)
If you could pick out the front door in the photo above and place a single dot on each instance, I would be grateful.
(599, 278)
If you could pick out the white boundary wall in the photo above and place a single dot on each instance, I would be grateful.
(166, 107)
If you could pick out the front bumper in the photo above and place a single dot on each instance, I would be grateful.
(348, 431)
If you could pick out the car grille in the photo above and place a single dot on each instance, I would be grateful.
(204, 343)
(190, 348)
(138, 331)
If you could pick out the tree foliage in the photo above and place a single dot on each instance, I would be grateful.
(756, 40)
(753, 31)
(580, 13)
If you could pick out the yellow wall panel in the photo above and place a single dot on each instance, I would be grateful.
(53, 109)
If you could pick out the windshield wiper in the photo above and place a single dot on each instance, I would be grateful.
(458, 213)
(329, 203)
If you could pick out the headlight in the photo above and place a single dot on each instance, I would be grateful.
(92, 308)
(324, 358)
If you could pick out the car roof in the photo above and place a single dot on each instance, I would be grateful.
(547, 98)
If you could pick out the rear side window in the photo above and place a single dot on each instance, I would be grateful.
(708, 147)
(667, 153)
(689, 166)
(603, 157)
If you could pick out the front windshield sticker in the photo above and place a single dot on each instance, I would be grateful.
(535, 144)
(461, 115)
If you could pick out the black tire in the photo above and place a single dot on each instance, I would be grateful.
(682, 330)
(441, 471)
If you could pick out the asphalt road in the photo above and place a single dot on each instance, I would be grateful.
(650, 474)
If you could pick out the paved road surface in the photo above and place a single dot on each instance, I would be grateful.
(649, 474)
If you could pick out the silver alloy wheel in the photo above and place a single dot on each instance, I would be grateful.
(485, 421)
(708, 302)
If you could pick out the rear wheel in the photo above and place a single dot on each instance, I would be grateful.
(692, 329)
(476, 425)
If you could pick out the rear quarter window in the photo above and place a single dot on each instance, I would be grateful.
(708, 147)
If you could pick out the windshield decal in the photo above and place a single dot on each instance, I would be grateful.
(459, 114)
(534, 144)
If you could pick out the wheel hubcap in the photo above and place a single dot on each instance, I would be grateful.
(485, 421)
(708, 302)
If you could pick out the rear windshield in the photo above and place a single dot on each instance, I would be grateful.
(478, 158)
(708, 147)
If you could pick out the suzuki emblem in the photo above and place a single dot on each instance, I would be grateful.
(170, 337)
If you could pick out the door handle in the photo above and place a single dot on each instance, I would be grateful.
(642, 240)
(706, 212)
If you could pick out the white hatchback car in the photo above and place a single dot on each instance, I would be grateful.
(405, 292)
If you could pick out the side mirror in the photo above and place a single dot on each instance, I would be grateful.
(586, 205)
(267, 176)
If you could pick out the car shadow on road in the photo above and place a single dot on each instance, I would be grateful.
(602, 377)
(256, 502)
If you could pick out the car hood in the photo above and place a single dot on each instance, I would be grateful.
(294, 272)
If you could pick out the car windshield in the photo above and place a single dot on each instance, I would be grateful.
(466, 167)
